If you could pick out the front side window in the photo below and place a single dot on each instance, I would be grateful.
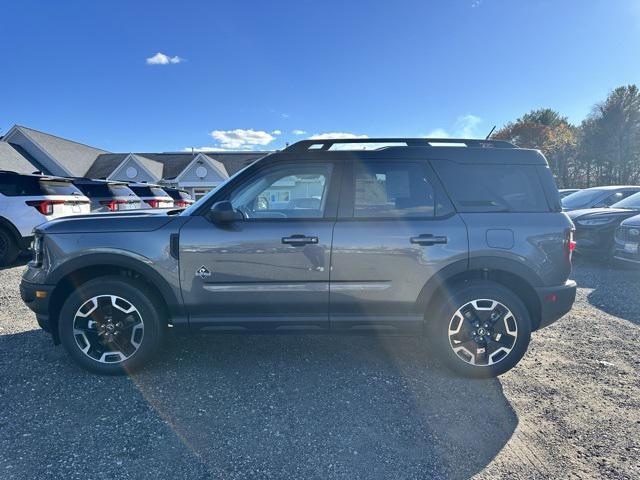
(292, 191)
(392, 189)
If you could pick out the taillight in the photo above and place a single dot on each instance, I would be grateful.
(153, 203)
(112, 205)
(570, 243)
(45, 207)
(182, 203)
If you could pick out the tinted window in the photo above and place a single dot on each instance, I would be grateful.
(27, 186)
(392, 189)
(58, 188)
(120, 190)
(179, 194)
(146, 191)
(583, 198)
(493, 188)
(630, 202)
(94, 189)
(293, 191)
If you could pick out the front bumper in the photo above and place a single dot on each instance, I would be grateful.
(594, 240)
(555, 302)
(37, 297)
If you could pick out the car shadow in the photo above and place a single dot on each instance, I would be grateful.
(252, 406)
(615, 288)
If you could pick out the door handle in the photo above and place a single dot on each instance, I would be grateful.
(299, 240)
(426, 239)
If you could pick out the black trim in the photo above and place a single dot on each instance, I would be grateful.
(174, 303)
(550, 311)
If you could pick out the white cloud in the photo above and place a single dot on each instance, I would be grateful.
(241, 138)
(276, 132)
(162, 59)
(338, 135)
(476, 3)
(465, 126)
(298, 132)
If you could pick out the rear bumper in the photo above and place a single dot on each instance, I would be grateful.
(37, 302)
(555, 302)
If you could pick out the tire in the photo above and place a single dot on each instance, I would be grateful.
(9, 249)
(473, 303)
(112, 349)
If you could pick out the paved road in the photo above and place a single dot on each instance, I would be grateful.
(330, 407)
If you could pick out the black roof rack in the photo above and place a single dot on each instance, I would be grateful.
(326, 144)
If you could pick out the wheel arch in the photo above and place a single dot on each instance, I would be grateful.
(87, 267)
(515, 276)
(11, 228)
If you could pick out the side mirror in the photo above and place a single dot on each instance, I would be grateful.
(222, 212)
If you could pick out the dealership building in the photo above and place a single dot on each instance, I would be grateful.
(26, 150)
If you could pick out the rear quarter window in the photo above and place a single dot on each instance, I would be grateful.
(492, 188)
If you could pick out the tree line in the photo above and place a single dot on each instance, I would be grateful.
(603, 150)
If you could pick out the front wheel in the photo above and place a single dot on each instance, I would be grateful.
(479, 329)
(110, 325)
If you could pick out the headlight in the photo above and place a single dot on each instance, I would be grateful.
(595, 221)
(37, 247)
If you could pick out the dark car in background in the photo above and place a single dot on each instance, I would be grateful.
(108, 196)
(152, 196)
(565, 192)
(627, 241)
(598, 197)
(595, 227)
(181, 198)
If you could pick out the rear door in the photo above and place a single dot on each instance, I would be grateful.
(396, 229)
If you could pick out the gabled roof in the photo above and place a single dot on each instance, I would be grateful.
(171, 164)
(105, 164)
(73, 156)
(13, 159)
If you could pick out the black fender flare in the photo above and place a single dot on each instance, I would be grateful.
(127, 262)
(481, 263)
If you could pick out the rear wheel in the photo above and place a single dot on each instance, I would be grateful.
(480, 329)
(110, 325)
(9, 249)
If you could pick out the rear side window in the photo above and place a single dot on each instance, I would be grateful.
(492, 188)
(149, 191)
(120, 191)
(392, 189)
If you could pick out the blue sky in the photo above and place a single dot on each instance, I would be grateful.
(233, 74)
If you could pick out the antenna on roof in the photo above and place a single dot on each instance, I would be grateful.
(192, 151)
(487, 137)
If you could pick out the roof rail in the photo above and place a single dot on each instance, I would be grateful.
(326, 144)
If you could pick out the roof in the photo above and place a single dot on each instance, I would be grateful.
(13, 159)
(234, 161)
(75, 157)
(105, 164)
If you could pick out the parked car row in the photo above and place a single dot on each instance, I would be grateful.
(607, 221)
(27, 201)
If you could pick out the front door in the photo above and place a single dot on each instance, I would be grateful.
(270, 269)
(396, 228)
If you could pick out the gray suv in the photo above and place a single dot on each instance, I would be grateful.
(461, 242)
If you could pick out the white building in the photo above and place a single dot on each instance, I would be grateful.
(27, 150)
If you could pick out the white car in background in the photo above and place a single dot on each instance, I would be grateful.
(27, 201)
(152, 196)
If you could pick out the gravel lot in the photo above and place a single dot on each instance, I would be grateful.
(330, 407)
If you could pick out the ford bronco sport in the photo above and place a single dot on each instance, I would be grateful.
(461, 242)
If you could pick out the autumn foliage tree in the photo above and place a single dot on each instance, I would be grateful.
(603, 150)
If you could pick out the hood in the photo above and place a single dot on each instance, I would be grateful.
(126, 221)
(599, 212)
(632, 222)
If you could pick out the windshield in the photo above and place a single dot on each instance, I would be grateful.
(582, 198)
(632, 202)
